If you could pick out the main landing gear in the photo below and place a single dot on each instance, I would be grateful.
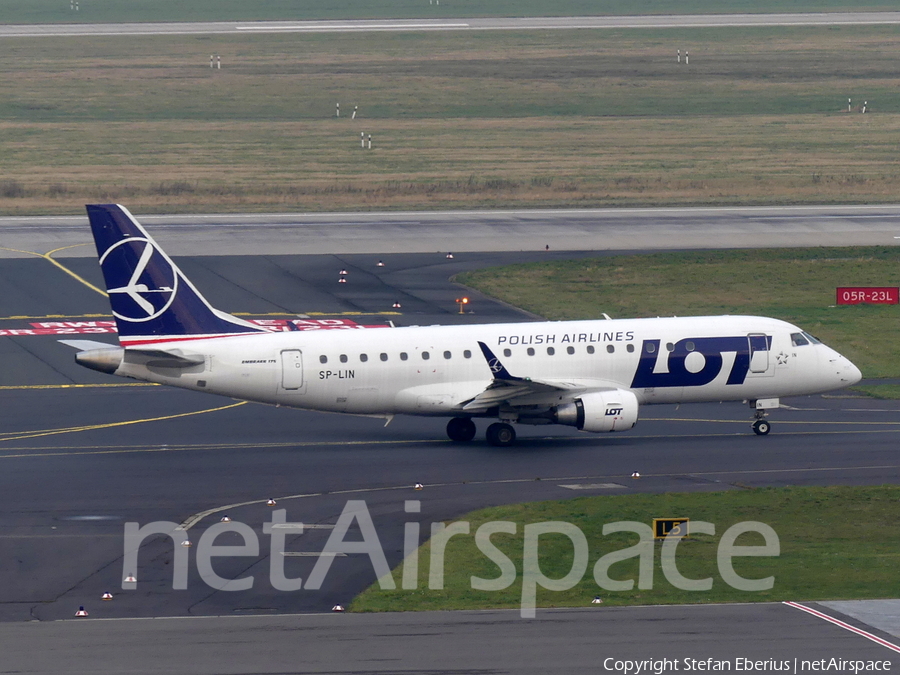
(462, 430)
(501, 434)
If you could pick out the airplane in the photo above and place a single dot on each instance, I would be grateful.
(592, 375)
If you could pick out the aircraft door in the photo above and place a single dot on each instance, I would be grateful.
(292, 371)
(760, 360)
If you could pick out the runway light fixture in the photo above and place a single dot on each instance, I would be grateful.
(462, 302)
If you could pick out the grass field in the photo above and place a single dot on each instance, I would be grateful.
(835, 543)
(60, 11)
(796, 285)
(557, 118)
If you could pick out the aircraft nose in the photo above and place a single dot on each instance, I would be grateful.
(850, 373)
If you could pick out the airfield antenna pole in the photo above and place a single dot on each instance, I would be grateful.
(212, 59)
(218, 62)
(686, 57)
(353, 116)
(362, 140)
(848, 105)
(679, 56)
(370, 141)
(337, 109)
(865, 103)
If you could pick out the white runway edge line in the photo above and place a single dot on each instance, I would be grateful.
(846, 626)
(355, 26)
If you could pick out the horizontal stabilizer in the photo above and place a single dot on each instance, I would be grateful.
(86, 345)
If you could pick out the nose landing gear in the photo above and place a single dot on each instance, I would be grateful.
(761, 427)
(760, 407)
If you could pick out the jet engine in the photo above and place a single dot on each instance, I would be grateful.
(613, 410)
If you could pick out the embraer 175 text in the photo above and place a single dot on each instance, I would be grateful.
(592, 375)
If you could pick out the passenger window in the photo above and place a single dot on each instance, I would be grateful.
(610, 348)
(650, 347)
(570, 350)
(363, 358)
(447, 355)
(590, 349)
(670, 347)
(467, 354)
(425, 356)
(629, 348)
(550, 351)
(384, 357)
(798, 340)
(343, 358)
(403, 356)
(323, 359)
(530, 351)
(507, 352)
(689, 346)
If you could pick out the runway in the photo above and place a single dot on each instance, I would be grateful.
(453, 24)
(80, 458)
(476, 231)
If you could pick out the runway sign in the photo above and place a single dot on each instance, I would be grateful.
(869, 295)
(670, 527)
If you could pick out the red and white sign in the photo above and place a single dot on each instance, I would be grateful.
(106, 326)
(869, 295)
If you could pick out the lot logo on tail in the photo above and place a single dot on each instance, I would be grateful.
(142, 283)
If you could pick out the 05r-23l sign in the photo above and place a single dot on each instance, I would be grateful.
(869, 295)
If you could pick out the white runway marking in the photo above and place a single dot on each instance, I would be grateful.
(845, 626)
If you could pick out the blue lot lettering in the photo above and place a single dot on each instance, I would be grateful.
(711, 348)
(613, 411)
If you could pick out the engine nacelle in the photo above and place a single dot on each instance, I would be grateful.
(614, 410)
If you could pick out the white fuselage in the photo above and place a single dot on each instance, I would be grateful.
(434, 370)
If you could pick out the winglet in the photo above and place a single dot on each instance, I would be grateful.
(497, 368)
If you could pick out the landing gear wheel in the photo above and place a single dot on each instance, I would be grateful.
(461, 429)
(761, 427)
(501, 434)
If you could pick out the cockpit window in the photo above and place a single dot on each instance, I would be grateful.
(798, 339)
(813, 340)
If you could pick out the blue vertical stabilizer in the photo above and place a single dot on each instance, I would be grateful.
(151, 298)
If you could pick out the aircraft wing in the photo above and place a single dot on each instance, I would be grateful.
(507, 388)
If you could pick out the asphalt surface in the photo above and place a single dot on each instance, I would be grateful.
(472, 643)
(475, 231)
(443, 24)
(78, 462)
